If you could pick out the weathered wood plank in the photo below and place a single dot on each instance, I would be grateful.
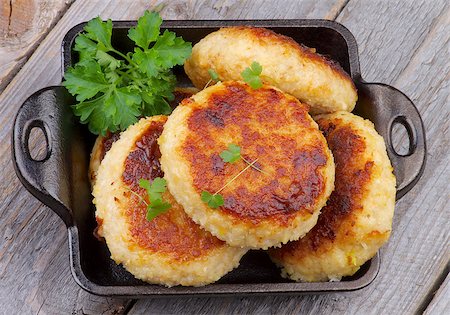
(400, 44)
(23, 24)
(441, 300)
(34, 269)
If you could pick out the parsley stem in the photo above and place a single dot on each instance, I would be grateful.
(131, 62)
(232, 180)
(122, 55)
(137, 195)
(207, 83)
(253, 166)
(129, 76)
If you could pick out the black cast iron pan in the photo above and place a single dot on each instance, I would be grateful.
(60, 179)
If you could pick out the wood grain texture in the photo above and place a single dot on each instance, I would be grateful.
(405, 45)
(34, 267)
(23, 24)
(441, 300)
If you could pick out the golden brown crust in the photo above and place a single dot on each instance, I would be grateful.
(172, 233)
(143, 160)
(353, 174)
(101, 146)
(358, 216)
(274, 196)
(170, 249)
(107, 142)
(262, 208)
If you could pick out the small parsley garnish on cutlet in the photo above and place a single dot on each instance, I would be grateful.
(155, 190)
(231, 155)
(213, 200)
(214, 77)
(213, 74)
(251, 75)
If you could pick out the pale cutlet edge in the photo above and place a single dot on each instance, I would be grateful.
(143, 264)
(95, 159)
(180, 184)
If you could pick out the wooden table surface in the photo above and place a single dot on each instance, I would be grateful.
(401, 43)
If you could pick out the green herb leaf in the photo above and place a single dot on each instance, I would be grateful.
(251, 75)
(124, 106)
(114, 89)
(171, 50)
(155, 191)
(213, 201)
(100, 32)
(232, 154)
(147, 62)
(85, 80)
(92, 113)
(156, 208)
(85, 47)
(213, 74)
(146, 30)
(155, 93)
(106, 60)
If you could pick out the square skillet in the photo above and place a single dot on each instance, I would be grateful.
(60, 180)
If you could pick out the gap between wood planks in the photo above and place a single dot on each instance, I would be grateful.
(428, 299)
(10, 14)
(4, 82)
(339, 9)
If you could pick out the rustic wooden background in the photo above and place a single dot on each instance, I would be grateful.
(402, 43)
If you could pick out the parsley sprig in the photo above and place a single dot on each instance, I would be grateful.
(155, 190)
(114, 89)
(213, 200)
(231, 155)
(251, 75)
(213, 77)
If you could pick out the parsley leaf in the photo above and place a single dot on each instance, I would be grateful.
(251, 75)
(146, 30)
(86, 80)
(92, 113)
(232, 154)
(155, 191)
(101, 32)
(171, 50)
(106, 60)
(156, 208)
(85, 47)
(124, 106)
(147, 61)
(114, 89)
(213, 200)
(213, 74)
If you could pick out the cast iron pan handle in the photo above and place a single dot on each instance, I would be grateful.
(394, 107)
(47, 178)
